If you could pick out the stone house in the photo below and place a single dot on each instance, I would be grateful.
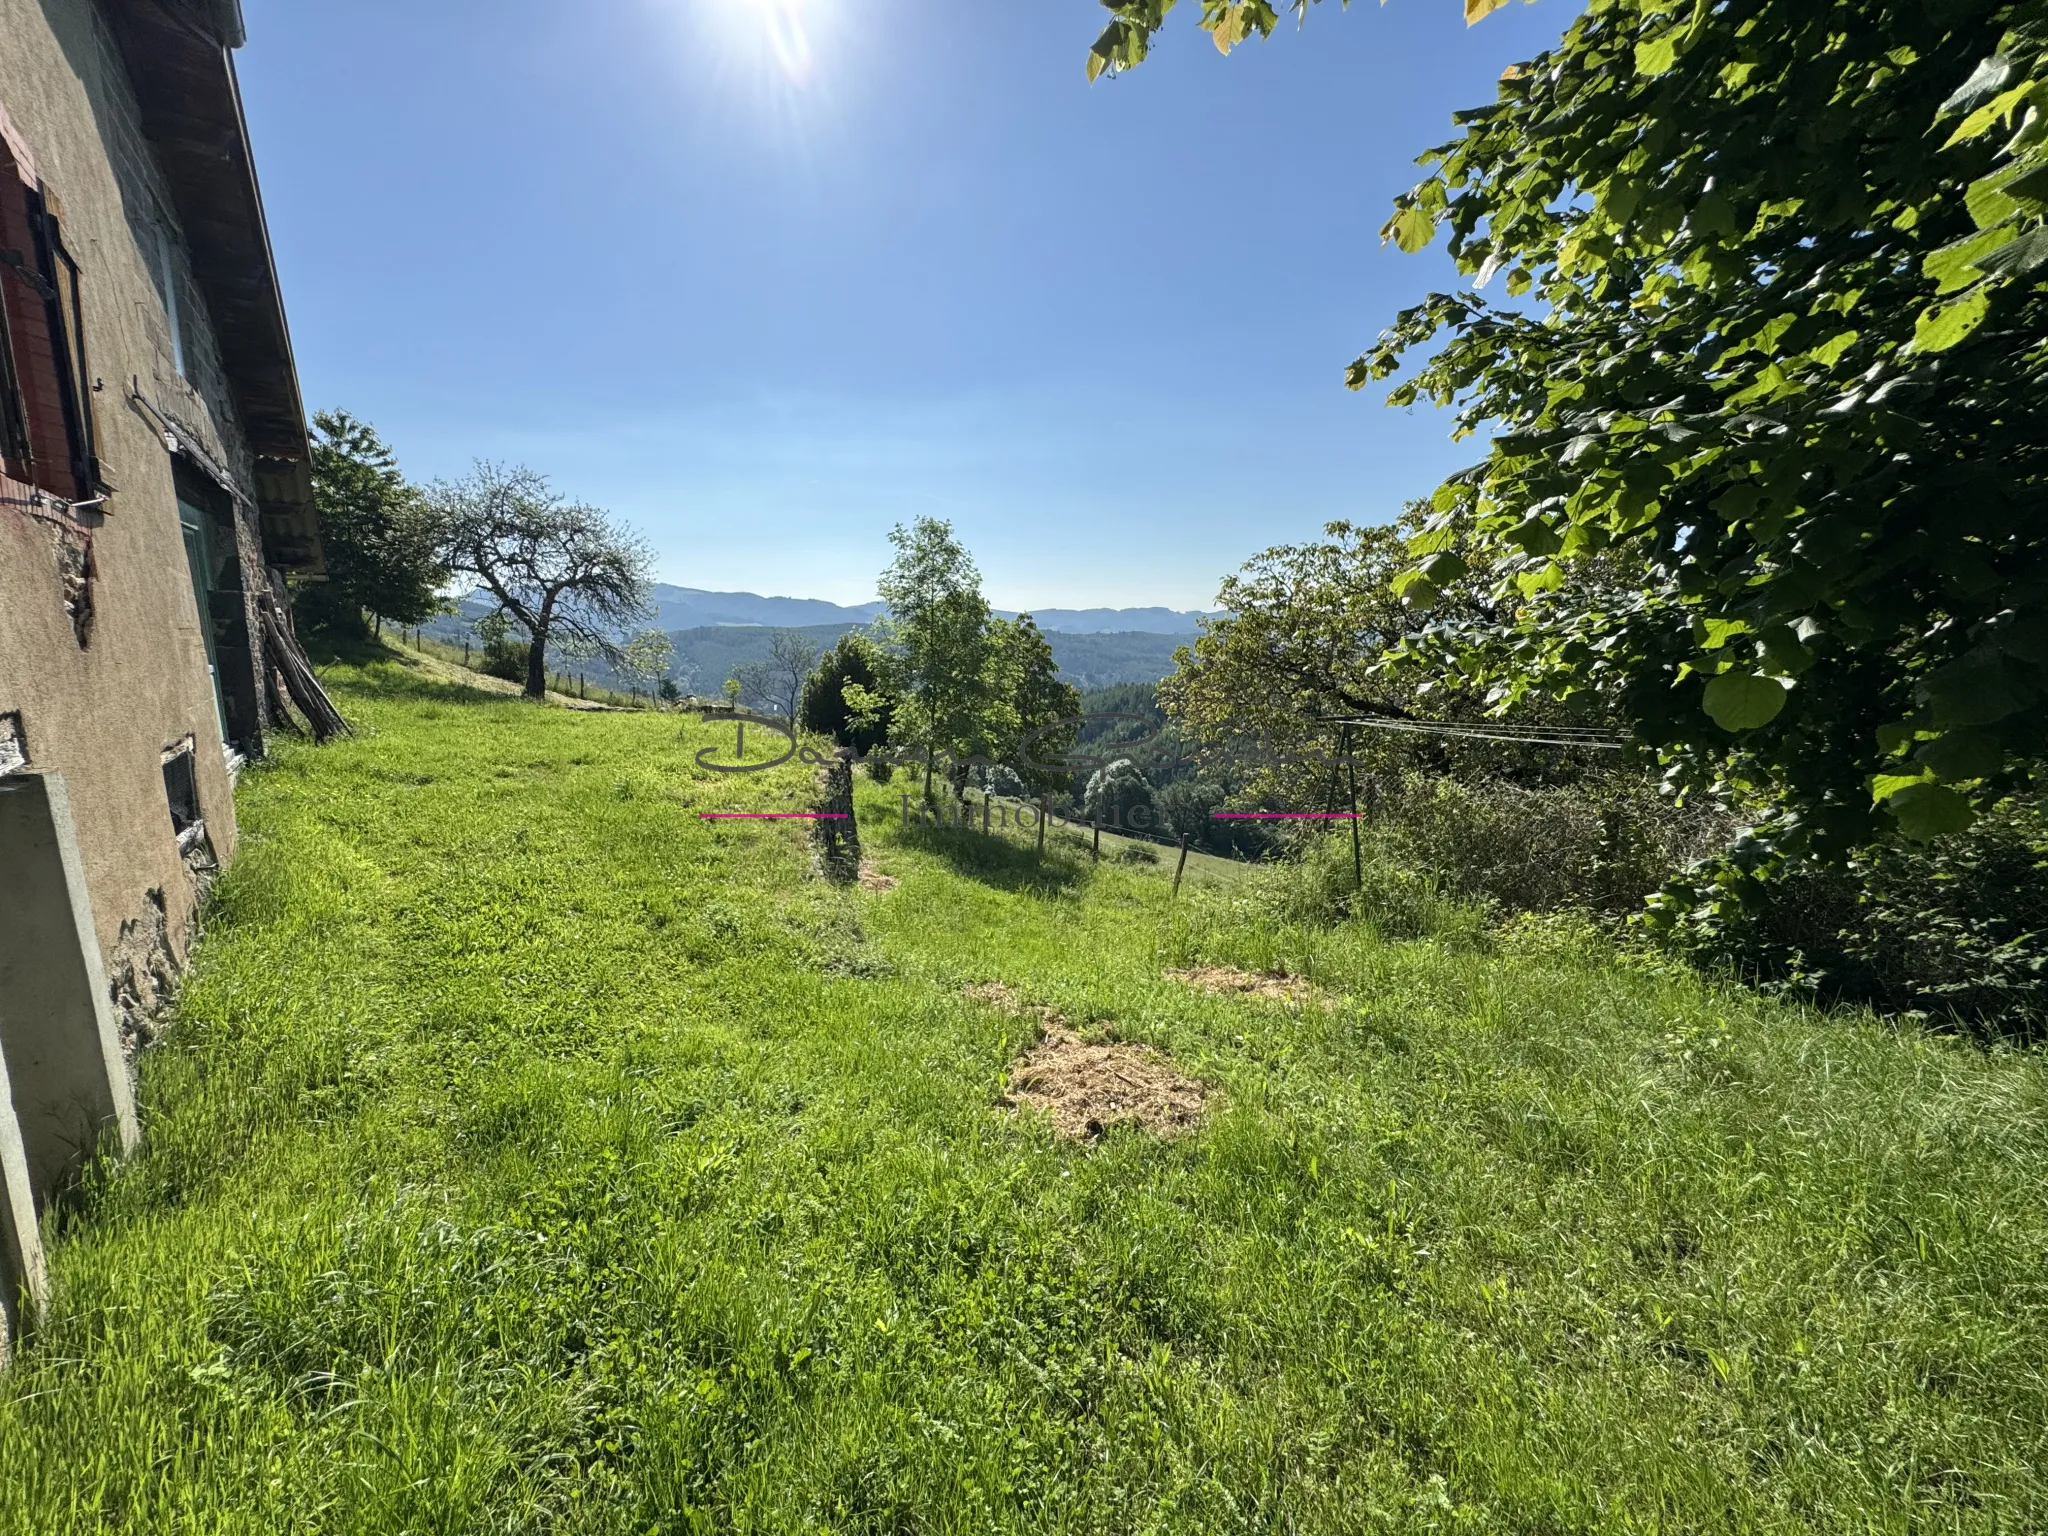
(154, 497)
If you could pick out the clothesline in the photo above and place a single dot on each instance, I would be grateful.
(1491, 730)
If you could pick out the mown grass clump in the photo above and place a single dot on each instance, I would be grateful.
(530, 1154)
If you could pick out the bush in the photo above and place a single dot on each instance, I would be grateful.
(503, 656)
(1316, 886)
(1601, 845)
(1956, 929)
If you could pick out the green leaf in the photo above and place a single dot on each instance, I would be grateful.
(1738, 501)
(1477, 11)
(1945, 325)
(1955, 264)
(1991, 113)
(1411, 229)
(1960, 755)
(1925, 811)
(1657, 56)
(2018, 258)
(1444, 568)
(1721, 631)
(1533, 535)
(1742, 701)
(1885, 785)
(1414, 589)
(1975, 691)
(1783, 651)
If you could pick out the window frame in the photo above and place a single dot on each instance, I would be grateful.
(44, 283)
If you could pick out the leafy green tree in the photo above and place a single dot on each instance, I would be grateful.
(1036, 713)
(1118, 796)
(1772, 346)
(938, 627)
(825, 708)
(379, 535)
(559, 570)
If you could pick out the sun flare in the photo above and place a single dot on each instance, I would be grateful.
(779, 33)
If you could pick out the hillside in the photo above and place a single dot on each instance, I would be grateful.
(693, 608)
(531, 1154)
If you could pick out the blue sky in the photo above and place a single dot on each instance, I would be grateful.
(765, 277)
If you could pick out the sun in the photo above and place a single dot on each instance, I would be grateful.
(778, 32)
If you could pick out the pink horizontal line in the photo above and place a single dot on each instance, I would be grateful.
(1282, 815)
(774, 815)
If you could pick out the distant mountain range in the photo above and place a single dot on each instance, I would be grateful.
(714, 633)
(693, 608)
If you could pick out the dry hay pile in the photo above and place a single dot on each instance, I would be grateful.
(1228, 981)
(1086, 1086)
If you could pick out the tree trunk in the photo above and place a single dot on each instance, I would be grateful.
(537, 665)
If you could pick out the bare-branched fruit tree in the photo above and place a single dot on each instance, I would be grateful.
(558, 569)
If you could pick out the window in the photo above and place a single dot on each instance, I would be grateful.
(46, 427)
(181, 788)
(167, 279)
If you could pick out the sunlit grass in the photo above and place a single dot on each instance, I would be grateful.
(533, 1155)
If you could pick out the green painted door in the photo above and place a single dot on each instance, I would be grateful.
(199, 556)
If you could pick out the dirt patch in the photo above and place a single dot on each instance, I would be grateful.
(1228, 981)
(872, 879)
(1085, 1087)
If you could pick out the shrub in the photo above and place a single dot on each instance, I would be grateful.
(1956, 929)
(1603, 844)
(503, 655)
(1317, 886)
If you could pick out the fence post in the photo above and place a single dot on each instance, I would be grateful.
(1351, 769)
(1096, 851)
(1041, 829)
(1183, 864)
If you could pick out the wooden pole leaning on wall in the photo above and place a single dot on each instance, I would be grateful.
(281, 652)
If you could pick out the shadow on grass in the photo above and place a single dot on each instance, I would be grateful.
(391, 675)
(994, 861)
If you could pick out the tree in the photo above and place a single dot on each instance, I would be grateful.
(791, 655)
(644, 660)
(938, 625)
(556, 568)
(379, 536)
(1038, 713)
(753, 682)
(1118, 795)
(858, 661)
(1773, 348)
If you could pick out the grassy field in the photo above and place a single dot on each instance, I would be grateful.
(531, 1155)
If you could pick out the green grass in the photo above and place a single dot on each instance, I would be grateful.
(531, 1155)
